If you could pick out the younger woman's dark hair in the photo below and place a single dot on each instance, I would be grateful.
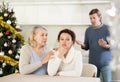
(68, 31)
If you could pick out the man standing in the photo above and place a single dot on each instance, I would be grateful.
(96, 41)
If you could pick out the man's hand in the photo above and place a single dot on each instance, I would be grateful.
(103, 44)
(80, 43)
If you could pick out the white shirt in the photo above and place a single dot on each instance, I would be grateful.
(70, 66)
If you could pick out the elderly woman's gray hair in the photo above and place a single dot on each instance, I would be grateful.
(34, 31)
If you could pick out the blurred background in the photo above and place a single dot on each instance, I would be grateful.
(58, 14)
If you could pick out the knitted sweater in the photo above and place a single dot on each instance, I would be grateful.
(25, 63)
(70, 66)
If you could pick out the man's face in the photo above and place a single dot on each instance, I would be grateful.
(95, 20)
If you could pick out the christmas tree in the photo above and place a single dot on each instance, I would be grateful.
(11, 41)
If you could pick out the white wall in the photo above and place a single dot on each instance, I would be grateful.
(56, 13)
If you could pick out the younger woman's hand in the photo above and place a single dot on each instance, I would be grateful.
(57, 74)
(62, 52)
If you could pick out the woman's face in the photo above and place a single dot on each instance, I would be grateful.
(65, 41)
(41, 37)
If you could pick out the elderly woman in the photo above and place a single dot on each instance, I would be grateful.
(34, 55)
(67, 61)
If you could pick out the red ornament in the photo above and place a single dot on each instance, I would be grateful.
(13, 46)
(7, 33)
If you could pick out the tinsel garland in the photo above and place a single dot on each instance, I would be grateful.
(8, 60)
(16, 34)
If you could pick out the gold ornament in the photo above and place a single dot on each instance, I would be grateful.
(16, 71)
(9, 60)
(5, 14)
(17, 34)
(1, 34)
(1, 17)
(10, 51)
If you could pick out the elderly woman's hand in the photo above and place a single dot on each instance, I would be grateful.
(47, 57)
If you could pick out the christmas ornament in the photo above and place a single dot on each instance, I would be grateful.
(9, 9)
(8, 21)
(13, 15)
(7, 33)
(1, 53)
(0, 9)
(1, 17)
(19, 50)
(16, 71)
(1, 71)
(4, 64)
(5, 14)
(17, 56)
(13, 41)
(9, 37)
(10, 51)
(5, 44)
(17, 26)
(1, 34)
